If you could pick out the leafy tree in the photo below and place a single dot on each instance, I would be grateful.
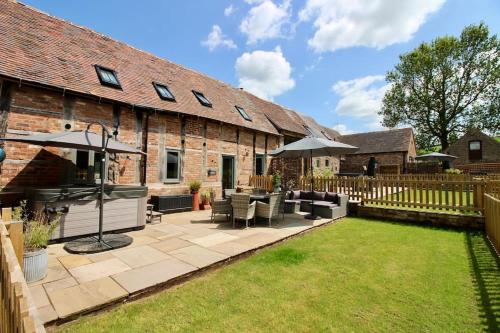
(445, 87)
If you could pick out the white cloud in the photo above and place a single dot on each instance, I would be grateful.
(344, 23)
(361, 97)
(342, 129)
(217, 39)
(229, 10)
(265, 20)
(264, 73)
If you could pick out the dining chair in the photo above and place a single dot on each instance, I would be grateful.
(220, 206)
(242, 208)
(268, 210)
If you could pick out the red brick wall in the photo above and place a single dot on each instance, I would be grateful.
(355, 162)
(460, 148)
(202, 143)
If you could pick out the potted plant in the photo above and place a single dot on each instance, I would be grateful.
(276, 179)
(194, 188)
(38, 230)
(205, 200)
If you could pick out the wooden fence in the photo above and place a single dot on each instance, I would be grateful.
(17, 309)
(263, 182)
(492, 217)
(439, 192)
(480, 167)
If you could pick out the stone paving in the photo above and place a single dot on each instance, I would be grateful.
(181, 244)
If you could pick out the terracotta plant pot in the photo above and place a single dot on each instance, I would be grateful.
(196, 200)
(205, 204)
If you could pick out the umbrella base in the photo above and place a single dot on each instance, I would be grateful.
(312, 217)
(93, 245)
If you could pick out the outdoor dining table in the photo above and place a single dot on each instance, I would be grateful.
(259, 197)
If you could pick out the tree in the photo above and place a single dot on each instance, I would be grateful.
(445, 87)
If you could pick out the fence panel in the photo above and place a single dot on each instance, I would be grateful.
(263, 182)
(421, 193)
(17, 309)
(492, 217)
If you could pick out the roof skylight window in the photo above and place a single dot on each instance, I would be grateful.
(164, 92)
(243, 113)
(202, 99)
(107, 77)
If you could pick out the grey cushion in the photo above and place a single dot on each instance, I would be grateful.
(294, 195)
(332, 197)
(306, 195)
(318, 195)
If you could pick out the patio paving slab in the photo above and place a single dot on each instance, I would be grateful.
(55, 271)
(258, 239)
(198, 256)
(98, 270)
(140, 256)
(85, 296)
(39, 296)
(151, 275)
(213, 239)
(47, 313)
(141, 240)
(96, 257)
(72, 261)
(185, 243)
(230, 248)
(171, 244)
(60, 284)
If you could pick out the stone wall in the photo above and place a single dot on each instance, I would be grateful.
(423, 218)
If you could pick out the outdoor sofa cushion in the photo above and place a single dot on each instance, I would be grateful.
(332, 197)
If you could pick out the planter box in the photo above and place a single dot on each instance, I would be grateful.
(35, 265)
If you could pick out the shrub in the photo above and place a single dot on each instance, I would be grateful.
(276, 179)
(453, 171)
(194, 186)
(38, 228)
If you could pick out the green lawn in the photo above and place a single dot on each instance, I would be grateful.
(352, 276)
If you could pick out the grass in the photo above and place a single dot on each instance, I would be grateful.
(352, 276)
(421, 197)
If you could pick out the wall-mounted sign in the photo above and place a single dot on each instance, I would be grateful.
(211, 172)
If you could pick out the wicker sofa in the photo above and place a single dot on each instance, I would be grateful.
(326, 204)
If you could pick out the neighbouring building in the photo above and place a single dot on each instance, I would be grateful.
(475, 147)
(391, 147)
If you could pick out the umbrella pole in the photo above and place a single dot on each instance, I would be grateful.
(101, 192)
(312, 216)
(93, 244)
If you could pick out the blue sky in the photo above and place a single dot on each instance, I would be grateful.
(325, 58)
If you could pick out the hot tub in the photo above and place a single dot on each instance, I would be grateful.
(124, 207)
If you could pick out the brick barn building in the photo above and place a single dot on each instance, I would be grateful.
(475, 149)
(57, 76)
(395, 146)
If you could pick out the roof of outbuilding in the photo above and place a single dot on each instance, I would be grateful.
(394, 140)
(46, 50)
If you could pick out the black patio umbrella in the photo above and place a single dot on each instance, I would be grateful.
(310, 147)
(86, 140)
